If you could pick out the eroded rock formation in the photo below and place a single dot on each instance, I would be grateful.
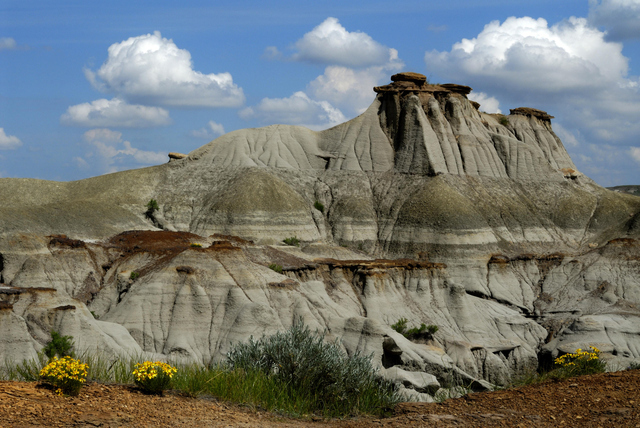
(432, 211)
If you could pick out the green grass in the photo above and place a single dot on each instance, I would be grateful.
(275, 267)
(293, 241)
(424, 331)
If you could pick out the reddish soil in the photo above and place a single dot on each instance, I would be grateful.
(606, 400)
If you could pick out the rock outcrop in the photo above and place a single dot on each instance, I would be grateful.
(431, 211)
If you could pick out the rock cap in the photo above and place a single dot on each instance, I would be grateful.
(409, 76)
(531, 112)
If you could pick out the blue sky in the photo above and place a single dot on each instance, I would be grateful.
(88, 88)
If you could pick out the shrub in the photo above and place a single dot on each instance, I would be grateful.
(319, 206)
(504, 121)
(293, 241)
(426, 331)
(196, 245)
(66, 375)
(59, 346)
(276, 268)
(153, 377)
(318, 372)
(580, 363)
(400, 326)
(152, 206)
(134, 275)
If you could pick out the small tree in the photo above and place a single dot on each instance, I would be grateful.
(59, 346)
(152, 206)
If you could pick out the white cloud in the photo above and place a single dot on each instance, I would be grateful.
(7, 43)
(272, 53)
(355, 64)
(213, 129)
(569, 69)
(526, 52)
(297, 109)
(8, 142)
(331, 43)
(620, 17)
(487, 104)
(150, 69)
(566, 136)
(115, 113)
(608, 165)
(352, 89)
(110, 153)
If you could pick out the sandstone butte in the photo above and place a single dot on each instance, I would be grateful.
(434, 211)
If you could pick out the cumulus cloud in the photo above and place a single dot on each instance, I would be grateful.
(567, 137)
(527, 53)
(152, 70)
(7, 43)
(110, 153)
(331, 43)
(297, 109)
(115, 113)
(213, 129)
(487, 104)
(635, 153)
(355, 63)
(568, 69)
(350, 88)
(8, 142)
(621, 18)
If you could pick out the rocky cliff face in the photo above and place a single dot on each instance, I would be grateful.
(433, 211)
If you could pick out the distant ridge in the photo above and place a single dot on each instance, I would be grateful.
(630, 189)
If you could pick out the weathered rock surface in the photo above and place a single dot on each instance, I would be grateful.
(433, 211)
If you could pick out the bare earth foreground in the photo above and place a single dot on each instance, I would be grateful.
(611, 399)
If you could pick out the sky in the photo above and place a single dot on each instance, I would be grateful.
(88, 88)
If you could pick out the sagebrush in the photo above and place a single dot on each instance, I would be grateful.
(306, 366)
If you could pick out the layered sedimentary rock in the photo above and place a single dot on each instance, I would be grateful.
(432, 211)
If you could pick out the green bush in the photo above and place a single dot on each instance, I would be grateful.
(196, 245)
(152, 206)
(59, 346)
(134, 275)
(424, 331)
(275, 267)
(309, 369)
(504, 121)
(293, 241)
(318, 205)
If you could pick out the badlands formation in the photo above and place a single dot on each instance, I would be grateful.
(436, 212)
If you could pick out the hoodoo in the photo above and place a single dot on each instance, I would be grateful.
(432, 211)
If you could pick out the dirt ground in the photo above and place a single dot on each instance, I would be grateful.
(606, 400)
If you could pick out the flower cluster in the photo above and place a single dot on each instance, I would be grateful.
(153, 377)
(581, 362)
(66, 375)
